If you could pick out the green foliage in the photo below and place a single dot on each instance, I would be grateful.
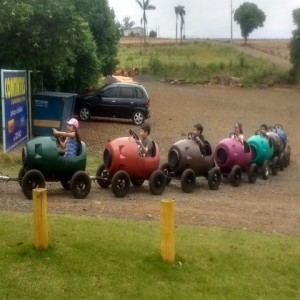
(295, 48)
(153, 34)
(201, 62)
(92, 258)
(58, 39)
(249, 17)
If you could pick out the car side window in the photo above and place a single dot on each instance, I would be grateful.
(139, 94)
(109, 93)
(126, 92)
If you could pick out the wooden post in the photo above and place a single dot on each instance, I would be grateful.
(40, 218)
(167, 230)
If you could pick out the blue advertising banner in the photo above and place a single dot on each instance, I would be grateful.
(14, 108)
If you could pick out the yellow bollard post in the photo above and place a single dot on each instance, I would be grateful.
(167, 230)
(40, 218)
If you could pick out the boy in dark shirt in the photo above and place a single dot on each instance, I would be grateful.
(199, 138)
(145, 143)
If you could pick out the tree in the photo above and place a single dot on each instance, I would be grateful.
(249, 17)
(181, 12)
(176, 13)
(49, 37)
(295, 47)
(127, 24)
(145, 5)
(101, 20)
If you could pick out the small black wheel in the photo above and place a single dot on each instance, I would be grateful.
(188, 181)
(65, 184)
(266, 170)
(235, 176)
(275, 165)
(214, 178)
(287, 152)
(80, 185)
(120, 183)
(137, 181)
(20, 176)
(157, 182)
(282, 161)
(252, 173)
(85, 113)
(31, 180)
(103, 178)
(138, 117)
(165, 167)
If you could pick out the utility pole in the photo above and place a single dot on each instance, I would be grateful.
(231, 14)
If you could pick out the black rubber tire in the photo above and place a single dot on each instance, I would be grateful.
(103, 178)
(287, 152)
(214, 178)
(120, 184)
(165, 167)
(20, 176)
(137, 181)
(85, 113)
(188, 181)
(80, 185)
(252, 173)
(31, 180)
(138, 117)
(235, 176)
(275, 165)
(157, 182)
(282, 161)
(65, 184)
(266, 170)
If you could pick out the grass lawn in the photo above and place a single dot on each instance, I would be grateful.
(92, 258)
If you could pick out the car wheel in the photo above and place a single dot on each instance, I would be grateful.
(252, 173)
(84, 113)
(235, 176)
(275, 165)
(120, 183)
(157, 182)
(80, 185)
(65, 184)
(266, 170)
(165, 167)
(188, 181)
(138, 117)
(31, 180)
(214, 178)
(137, 182)
(103, 178)
(287, 155)
(20, 176)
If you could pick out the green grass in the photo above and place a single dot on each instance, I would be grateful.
(91, 258)
(201, 62)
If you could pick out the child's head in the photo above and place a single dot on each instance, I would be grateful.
(238, 128)
(264, 127)
(145, 130)
(198, 129)
(72, 125)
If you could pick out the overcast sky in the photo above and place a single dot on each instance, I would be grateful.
(209, 18)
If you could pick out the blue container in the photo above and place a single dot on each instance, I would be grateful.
(51, 110)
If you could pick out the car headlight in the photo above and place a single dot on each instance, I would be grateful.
(107, 158)
(221, 155)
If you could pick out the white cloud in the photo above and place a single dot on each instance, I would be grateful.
(209, 19)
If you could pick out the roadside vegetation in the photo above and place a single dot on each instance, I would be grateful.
(201, 62)
(91, 258)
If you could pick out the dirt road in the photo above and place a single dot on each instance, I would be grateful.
(271, 206)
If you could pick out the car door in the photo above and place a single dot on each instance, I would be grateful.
(125, 102)
(105, 101)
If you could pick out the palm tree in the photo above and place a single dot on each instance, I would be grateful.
(176, 12)
(181, 12)
(144, 5)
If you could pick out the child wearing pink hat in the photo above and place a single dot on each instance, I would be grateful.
(72, 138)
